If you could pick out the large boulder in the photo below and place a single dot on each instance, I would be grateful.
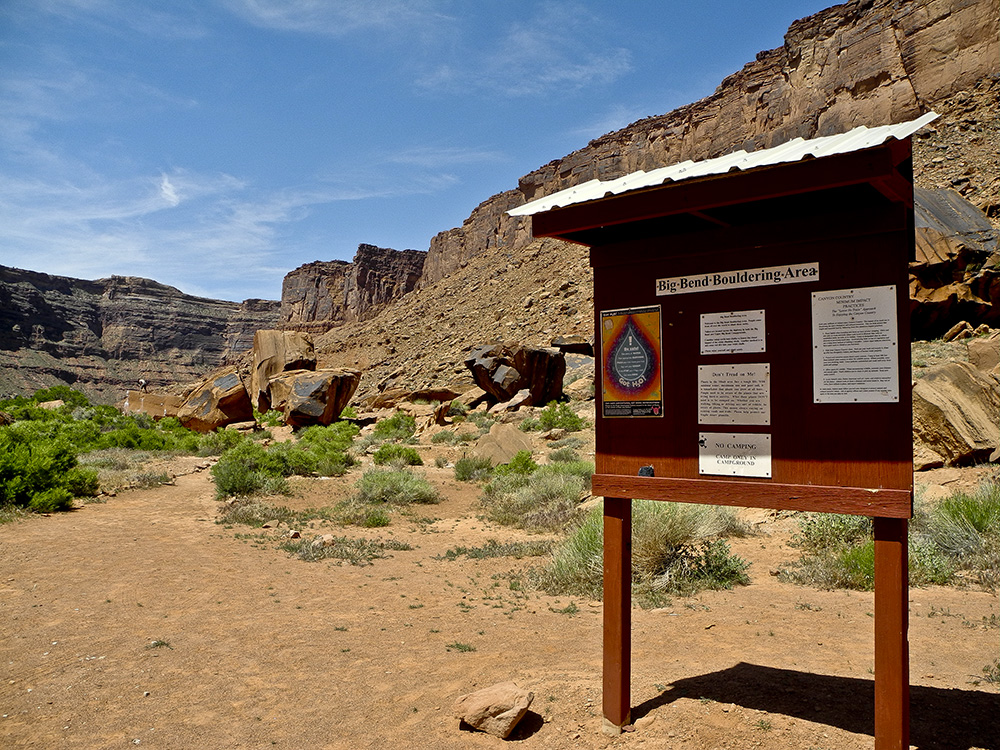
(275, 352)
(502, 371)
(502, 443)
(956, 414)
(219, 400)
(308, 397)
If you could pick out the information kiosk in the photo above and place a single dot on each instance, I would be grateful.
(752, 336)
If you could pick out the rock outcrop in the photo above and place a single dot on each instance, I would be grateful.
(956, 274)
(956, 415)
(275, 352)
(502, 371)
(102, 336)
(309, 397)
(318, 296)
(865, 62)
(220, 400)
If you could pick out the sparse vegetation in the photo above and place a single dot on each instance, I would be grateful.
(677, 549)
(396, 454)
(493, 548)
(394, 487)
(399, 426)
(473, 469)
(961, 533)
(351, 551)
(555, 416)
(534, 498)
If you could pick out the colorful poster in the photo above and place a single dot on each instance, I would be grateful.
(631, 362)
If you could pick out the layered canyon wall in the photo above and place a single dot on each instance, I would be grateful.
(102, 336)
(318, 296)
(865, 62)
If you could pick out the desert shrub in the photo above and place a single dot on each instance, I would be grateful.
(337, 436)
(351, 551)
(394, 487)
(330, 447)
(81, 482)
(253, 513)
(270, 418)
(289, 459)
(473, 469)
(356, 513)
(546, 498)
(52, 500)
(399, 426)
(521, 463)
(457, 409)
(393, 453)
(453, 438)
(247, 469)
(676, 550)
(37, 473)
(218, 442)
(564, 455)
(838, 551)
(555, 416)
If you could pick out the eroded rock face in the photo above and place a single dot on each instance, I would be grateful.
(865, 62)
(320, 295)
(218, 401)
(102, 336)
(309, 397)
(956, 413)
(275, 352)
(502, 371)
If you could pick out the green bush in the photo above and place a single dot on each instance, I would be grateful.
(37, 473)
(564, 455)
(473, 469)
(394, 487)
(218, 442)
(838, 551)
(399, 426)
(393, 453)
(555, 416)
(674, 552)
(521, 463)
(247, 469)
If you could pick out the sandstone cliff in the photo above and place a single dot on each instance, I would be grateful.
(323, 294)
(866, 62)
(102, 336)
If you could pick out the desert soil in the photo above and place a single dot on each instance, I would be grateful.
(141, 621)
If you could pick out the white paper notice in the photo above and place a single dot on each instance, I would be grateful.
(736, 455)
(734, 394)
(739, 332)
(855, 346)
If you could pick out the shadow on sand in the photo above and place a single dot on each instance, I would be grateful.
(939, 718)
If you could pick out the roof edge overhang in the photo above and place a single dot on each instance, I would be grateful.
(852, 158)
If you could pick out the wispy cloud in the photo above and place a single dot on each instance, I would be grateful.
(562, 49)
(437, 156)
(337, 17)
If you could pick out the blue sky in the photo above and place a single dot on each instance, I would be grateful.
(215, 145)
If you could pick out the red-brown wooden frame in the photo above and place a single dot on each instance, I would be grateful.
(870, 212)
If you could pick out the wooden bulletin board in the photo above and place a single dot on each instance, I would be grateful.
(753, 337)
(776, 307)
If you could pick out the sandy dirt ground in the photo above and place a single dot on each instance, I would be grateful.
(143, 622)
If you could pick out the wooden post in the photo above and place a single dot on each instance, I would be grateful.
(617, 613)
(892, 660)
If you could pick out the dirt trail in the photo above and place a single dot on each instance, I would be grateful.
(258, 649)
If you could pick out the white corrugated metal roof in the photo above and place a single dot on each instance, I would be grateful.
(792, 151)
